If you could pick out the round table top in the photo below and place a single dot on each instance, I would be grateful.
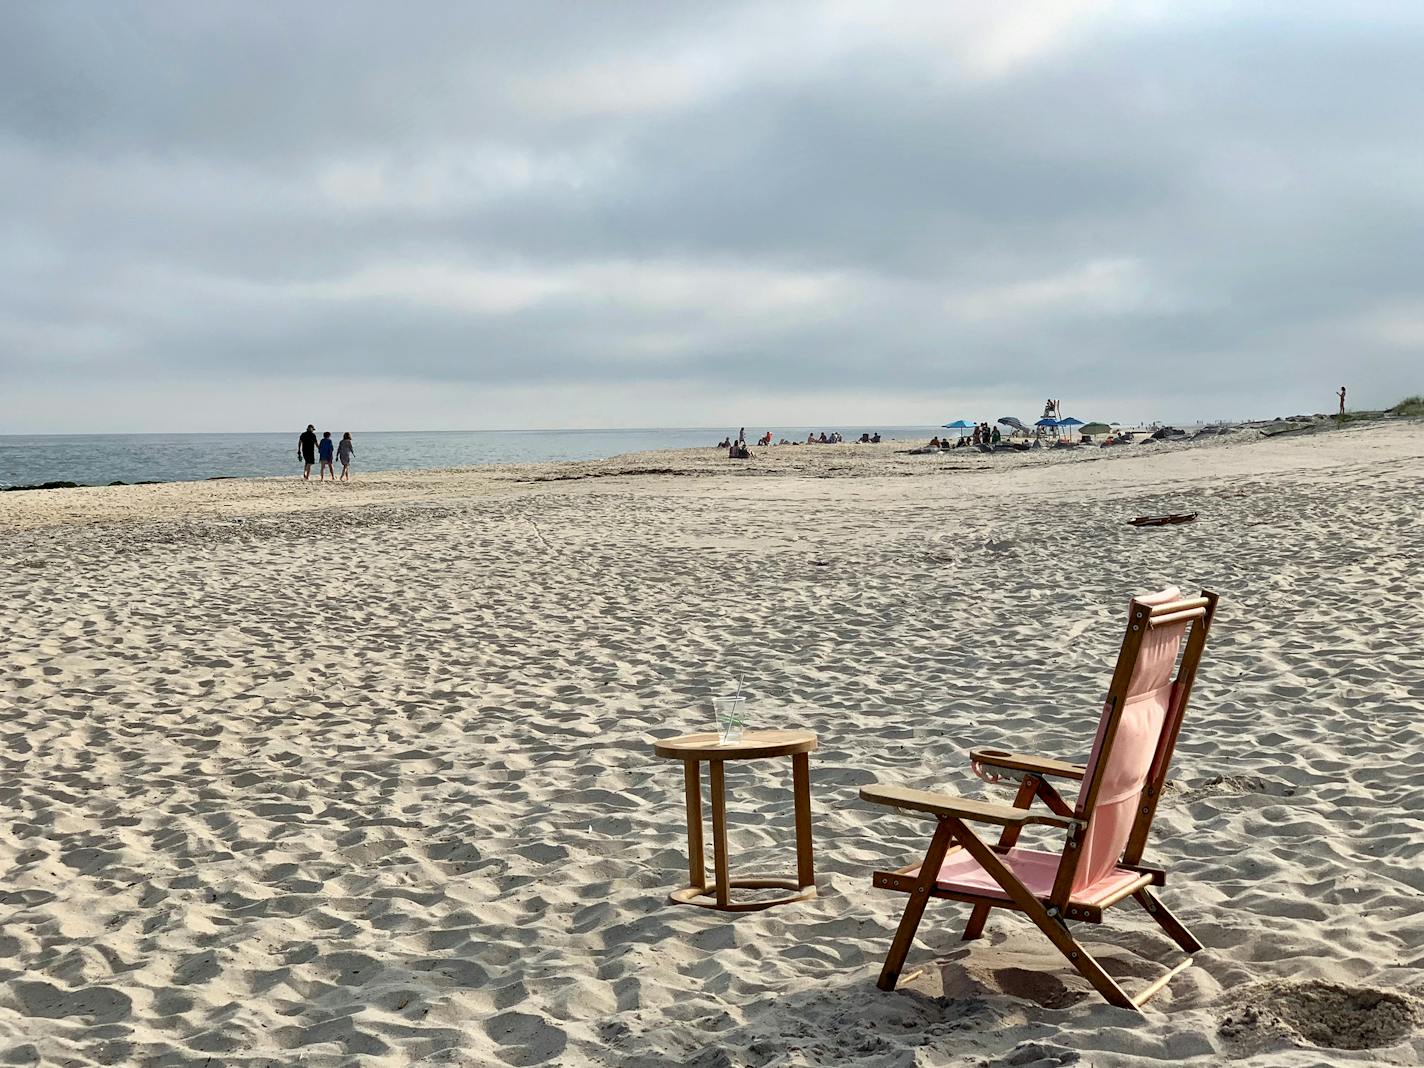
(752, 744)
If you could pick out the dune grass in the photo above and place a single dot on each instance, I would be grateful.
(1409, 406)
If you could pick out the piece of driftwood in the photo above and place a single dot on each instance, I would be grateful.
(1162, 520)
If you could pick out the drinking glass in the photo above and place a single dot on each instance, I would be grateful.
(729, 713)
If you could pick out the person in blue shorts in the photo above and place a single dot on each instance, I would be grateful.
(327, 451)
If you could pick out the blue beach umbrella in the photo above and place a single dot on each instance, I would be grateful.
(1070, 421)
(961, 426)
(1046, 421)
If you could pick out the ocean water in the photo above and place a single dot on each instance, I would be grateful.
(98, 459)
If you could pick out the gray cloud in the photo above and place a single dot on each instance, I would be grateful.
(495, 213)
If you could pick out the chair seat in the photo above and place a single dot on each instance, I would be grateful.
(961, 873)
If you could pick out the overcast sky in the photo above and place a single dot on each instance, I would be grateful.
(247, 216)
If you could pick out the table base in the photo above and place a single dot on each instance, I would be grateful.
(704, 897)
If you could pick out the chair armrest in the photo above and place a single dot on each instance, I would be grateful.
(959, 807)
(980, 759)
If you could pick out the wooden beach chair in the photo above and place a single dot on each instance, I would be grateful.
(1100, 861)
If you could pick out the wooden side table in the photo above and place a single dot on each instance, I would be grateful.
(693, 748)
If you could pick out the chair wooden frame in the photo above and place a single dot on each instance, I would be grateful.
(1053, 913)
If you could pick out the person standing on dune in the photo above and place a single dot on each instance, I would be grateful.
(1342, 400)
(306, 451)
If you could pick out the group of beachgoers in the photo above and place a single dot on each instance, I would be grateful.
(737, 449)
(983, 434)
(310, 447)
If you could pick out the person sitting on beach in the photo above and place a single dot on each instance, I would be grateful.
(306, 451)
(344, 452)
(725, 443)
(875, 438)
(327, 451)
(934, 442)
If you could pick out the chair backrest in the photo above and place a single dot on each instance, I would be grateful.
(1137, 732)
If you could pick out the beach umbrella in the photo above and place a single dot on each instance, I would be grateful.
(1070, 421)
(1095, 428)
(960, 425)
(1046, 421)
(1010, 421)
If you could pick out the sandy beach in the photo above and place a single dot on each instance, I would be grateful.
(362, 774)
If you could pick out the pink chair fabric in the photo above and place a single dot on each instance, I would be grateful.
(1034, 868)
(1135, 748)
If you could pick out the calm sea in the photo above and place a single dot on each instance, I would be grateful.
(98, 459)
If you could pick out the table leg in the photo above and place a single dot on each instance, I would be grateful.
(801, 787)
(719, 832)
(696, 869)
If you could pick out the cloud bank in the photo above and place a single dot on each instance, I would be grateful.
(239, 217)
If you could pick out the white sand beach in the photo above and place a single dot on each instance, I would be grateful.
(362, 775)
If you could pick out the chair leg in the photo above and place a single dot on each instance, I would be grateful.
(1028, 790)
(975, 927)
(1174, 927)
(915, 907)
(1056, 930)
(1088, 967)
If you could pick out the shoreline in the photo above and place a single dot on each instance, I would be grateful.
(240, 500)
(1294, 424)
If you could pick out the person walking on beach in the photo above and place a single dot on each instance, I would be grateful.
(1342, 400)
(327, 451)
(344, 452)
(306, 451)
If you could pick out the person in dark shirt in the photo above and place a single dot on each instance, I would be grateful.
(327, 449)
(306, 450)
